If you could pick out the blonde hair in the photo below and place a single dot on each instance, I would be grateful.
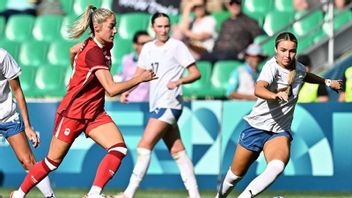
(91, 16)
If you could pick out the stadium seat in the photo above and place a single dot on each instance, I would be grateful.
(33, 53)
(68, 74)
(284, 5)
(59, 53)
(47, 27)
(220, 77)
(66, 23)
(13, 47)
(220, 17)
(3, 5)
(121, 47)
(256, 9)
(304, 43)
(2, 26)
(130, 23)
(50, 81)
(27, 78)
(275, 21)
(79, 6)
(340, 19)
(19, 27)
(67, 6)
(308, 23)
(199, 88)
(106, 4)
(268, 46)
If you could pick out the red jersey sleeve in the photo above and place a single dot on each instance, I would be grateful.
(95, 59)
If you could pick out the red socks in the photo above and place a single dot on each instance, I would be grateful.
(110, 164)
(37, 173)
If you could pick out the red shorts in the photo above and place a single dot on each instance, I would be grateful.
(68, 129)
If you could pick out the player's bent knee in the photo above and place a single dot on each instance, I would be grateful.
(119, 150)
(179, 154)
(50, 164)
(277, 165)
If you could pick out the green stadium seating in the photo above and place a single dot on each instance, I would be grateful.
(268, 47)
(121, 47)
(220, 17)
(47, 27)
(79, 6)
(274, 21)
(66, 23)
(220, 77)
(3, 5)
(284, 5)
(27, 78)
(107, 4)
(68, 75)
(59, 53)
(308, 23)
(2, 26)
(50, 81)
(130, 23)
(257, 9)
(19, 27)
(13, 47)
(340, 19)
(199, 88)
(33, 53)
(67, 5)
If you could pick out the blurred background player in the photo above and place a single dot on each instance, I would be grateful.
(82, 108)
(242, 79)
(129, 66)
(197, 32)
(14, 126)
(268, 125)
(311, 92)
(168, 58)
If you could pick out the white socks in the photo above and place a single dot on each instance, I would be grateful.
(45, 187)
(262, 181)
(228, 184)
(139, 171)
(187, 173)
(95, 190)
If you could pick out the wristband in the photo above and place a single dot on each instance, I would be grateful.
(328, 82)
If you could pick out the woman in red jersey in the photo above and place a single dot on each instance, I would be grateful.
(82, 108)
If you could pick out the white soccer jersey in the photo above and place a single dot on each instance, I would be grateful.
(272, 115)
(168, 62)
(9, 70)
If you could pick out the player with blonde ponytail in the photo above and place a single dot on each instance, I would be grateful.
(82, 108)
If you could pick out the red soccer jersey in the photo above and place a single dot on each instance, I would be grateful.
(85, 96)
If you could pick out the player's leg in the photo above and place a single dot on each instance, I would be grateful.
(277, 154)
(242, 159)
(174, 143)
(105, 133)
(152, 134)
(25, 155)
(65, 132)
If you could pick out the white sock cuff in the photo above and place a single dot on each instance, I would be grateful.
(49, 164)
(276, 165)
(231, 175)
(143, 151)
(179, 154)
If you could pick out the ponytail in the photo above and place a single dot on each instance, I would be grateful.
(81, 25)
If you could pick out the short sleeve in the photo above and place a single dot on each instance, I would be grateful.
(267, 74)
(142, 59)
(10, 68)
(95, 59)
(233, 83)
(183, 55)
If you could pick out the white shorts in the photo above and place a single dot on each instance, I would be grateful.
(167, 115)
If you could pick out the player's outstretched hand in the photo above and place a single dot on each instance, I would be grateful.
(336, 85)
(32, 136)
(148, 75)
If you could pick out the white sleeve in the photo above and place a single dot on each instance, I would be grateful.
(142, 58)
(183, 56)
(10, 68)
(268, 73)
(209, 26)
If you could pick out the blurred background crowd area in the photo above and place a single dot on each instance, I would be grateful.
(35, 34)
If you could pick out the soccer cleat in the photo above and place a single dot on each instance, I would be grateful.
(51, 196)
(120, 195)
(13, 194)
(94, 196)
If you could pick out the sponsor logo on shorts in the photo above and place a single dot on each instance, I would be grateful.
(67, 131)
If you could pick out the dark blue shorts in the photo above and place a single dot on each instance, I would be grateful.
(8, 129)
(167, 115)
(254, 139)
